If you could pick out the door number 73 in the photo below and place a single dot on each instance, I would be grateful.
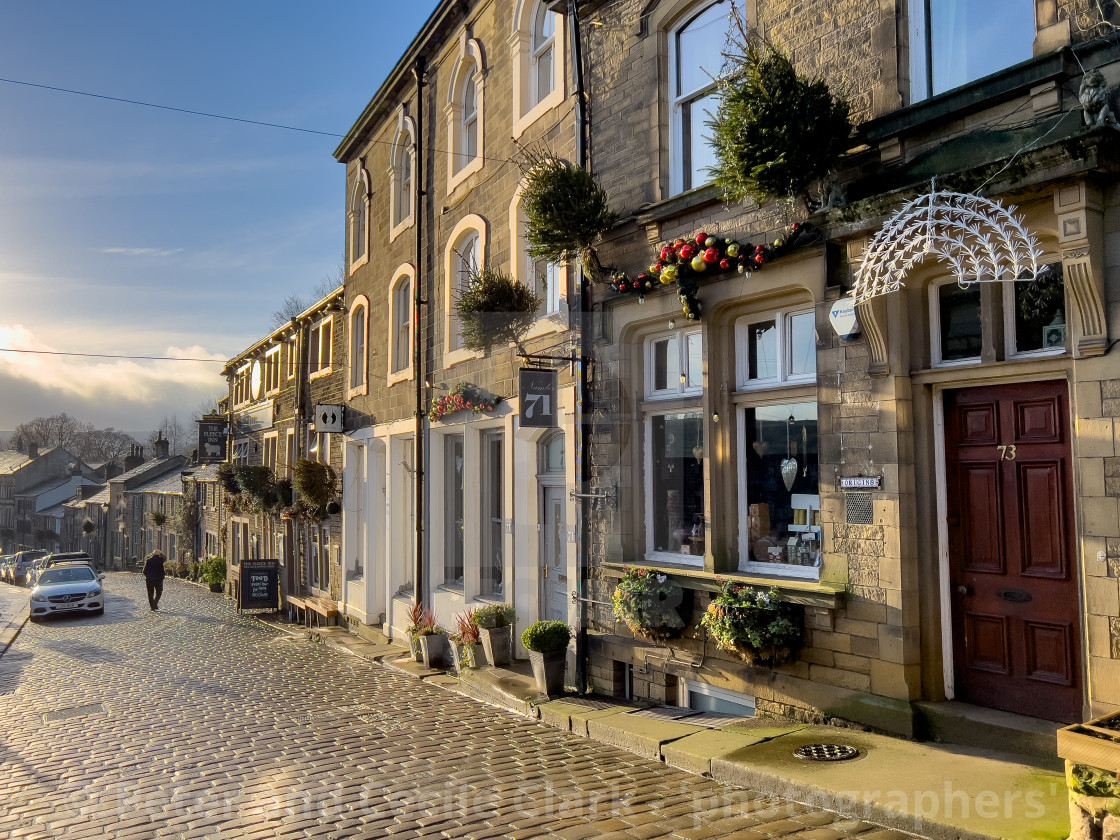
(1007, 453)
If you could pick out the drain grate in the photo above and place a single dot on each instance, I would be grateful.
(74, 711)
(826, 752)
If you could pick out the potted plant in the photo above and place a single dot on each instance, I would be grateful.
(214, 573)
(416, 617)
(645, 601)
(433, 642)
(1092, 754)
(547, 643)
(465, 641)
(495, 309)
(754, 624)
(495, 629)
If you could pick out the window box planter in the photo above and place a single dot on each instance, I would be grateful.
(1092, 755)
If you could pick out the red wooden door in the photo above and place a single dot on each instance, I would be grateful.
(1013, 587)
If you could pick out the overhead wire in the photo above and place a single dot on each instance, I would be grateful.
(111, 356)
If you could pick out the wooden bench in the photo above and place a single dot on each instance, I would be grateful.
(307, 610)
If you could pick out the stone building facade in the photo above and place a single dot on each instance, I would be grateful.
(275, 387)
(433, 192)
(986, 437)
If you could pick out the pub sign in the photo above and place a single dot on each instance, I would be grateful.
(211, 441)
(538, 399)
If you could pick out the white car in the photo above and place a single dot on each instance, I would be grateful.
(67, 589)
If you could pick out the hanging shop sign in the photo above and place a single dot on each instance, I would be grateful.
(211, 441)
(844, 319)
(328, 418)
(260, 585)
(538, 399)
(980, 240)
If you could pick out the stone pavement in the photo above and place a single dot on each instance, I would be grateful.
(14, 612)
(194, 722)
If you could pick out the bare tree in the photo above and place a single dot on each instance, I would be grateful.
(177, 435)
(295, 304)
(56, 430)
(209, 405)
(102, 445)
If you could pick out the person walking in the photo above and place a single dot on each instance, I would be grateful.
(153, 575)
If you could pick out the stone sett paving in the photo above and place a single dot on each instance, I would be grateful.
(194, 722)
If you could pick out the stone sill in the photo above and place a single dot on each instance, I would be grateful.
(827, 596)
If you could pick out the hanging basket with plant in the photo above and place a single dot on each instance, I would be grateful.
(566, 212)
(646, 601)
(495, 309)
(158, 518)
(463, 397)
(88, 526)
(776, 132)
(227, 477)
(315, 482)
(754, 624)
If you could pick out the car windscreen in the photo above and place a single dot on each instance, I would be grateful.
(77, 574)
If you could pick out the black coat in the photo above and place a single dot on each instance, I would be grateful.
(153, 567)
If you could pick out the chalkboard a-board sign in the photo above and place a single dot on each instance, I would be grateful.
(260, 585)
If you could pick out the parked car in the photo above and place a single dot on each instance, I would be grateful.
(24, 565)
(65, 557)
(6, 567)
(67, 588)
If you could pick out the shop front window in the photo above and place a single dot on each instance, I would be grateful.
(959, 327)
(1038, 311)
(676, 509)
(782, 490)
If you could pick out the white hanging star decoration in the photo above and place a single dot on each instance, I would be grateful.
(981, 240)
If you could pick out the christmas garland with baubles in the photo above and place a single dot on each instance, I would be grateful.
(687, 261)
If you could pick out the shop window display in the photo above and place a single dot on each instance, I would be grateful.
(782, 490)
(677, 505)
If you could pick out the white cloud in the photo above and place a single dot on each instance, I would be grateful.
(143, 252)
(127, 385)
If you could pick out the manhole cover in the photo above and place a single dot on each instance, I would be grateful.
(826, 752)
(74, 711)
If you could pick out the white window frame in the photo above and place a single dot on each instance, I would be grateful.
(487, 519)
(453, 259)
(679, 180)
(469, 65)
(527, 108)
(652, 555)
(552, 317)
(241, 390)
(783, 322)
(934, 303)
(400, 187)
(322, 348)
(270, 442)
(292, 346)
(291, 454)
(272, 371)
(359, 217)
(675, 389)
(405, 274)
(359, 347)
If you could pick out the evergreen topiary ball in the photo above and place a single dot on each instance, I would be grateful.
(546, 636)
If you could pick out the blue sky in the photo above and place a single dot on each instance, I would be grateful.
(131, 230)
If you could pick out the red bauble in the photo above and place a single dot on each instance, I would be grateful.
(688, 252)
(795, 226)
(758, 259)
(622, 287)
(725, 263)
(666, 254)
(701, 238)
(711, 255)
(758, 250)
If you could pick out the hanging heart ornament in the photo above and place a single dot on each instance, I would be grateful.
(761, 447)
(789, 472)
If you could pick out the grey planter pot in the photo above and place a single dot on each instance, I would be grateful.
(414, 650)
(498, 644)
(548, 668)
(464, 657)
(434, 648)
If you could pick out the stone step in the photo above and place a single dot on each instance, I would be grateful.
(952, 722)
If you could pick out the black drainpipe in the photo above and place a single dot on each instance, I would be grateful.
(583, 428)
(419, 508)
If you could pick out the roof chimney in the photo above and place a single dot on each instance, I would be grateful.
(162, 447)
(134, 458)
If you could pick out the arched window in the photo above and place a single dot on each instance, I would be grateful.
(543, 59)
(548, 280)
(465, 255)
(359, 220)
(465, 112)
(358, 325)
(402, 178)
(695, 63)
(400, 325)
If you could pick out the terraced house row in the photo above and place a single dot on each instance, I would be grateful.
(934, 483)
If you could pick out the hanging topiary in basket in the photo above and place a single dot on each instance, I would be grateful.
(495, 309)
(88, 526)
(566, 212)
(776, 132)
(315, 483)
(228, 478)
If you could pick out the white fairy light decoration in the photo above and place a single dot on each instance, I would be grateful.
(981, 240)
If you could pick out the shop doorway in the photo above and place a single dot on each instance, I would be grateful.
(1012, 582)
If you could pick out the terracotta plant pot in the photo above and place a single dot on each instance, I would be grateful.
(548, 668)
(497, 644)
(434, 648)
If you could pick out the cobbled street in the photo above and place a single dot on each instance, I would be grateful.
(196, 722)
